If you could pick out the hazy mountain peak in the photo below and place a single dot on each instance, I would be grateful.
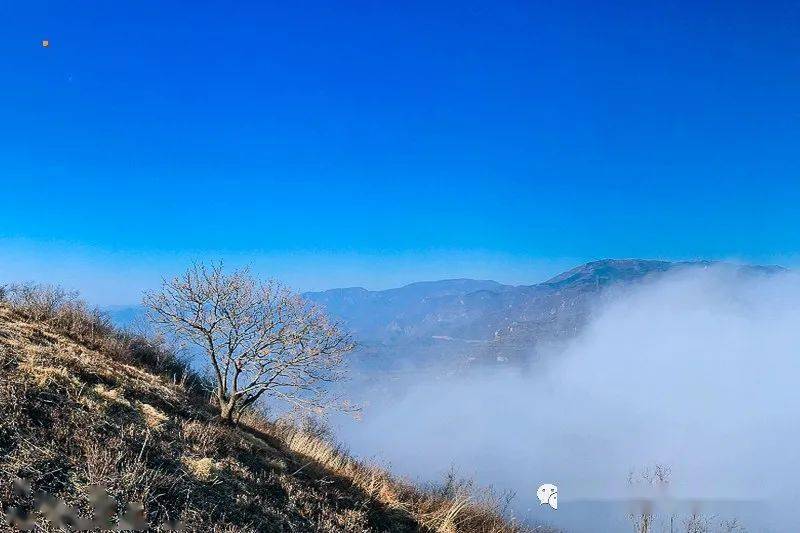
(514, 320)
(610, 270)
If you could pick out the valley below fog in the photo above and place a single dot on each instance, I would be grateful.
(589, 381)
(694, 370)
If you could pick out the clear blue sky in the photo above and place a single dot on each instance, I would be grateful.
(373, 143)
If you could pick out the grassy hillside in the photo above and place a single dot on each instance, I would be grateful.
(85, 406)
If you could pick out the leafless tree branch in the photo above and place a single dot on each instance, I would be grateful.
(260, 338)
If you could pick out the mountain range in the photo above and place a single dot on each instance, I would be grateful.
(466, 321)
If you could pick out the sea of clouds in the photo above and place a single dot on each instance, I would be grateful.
(697, 371)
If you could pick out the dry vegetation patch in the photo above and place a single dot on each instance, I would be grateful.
(79, 414)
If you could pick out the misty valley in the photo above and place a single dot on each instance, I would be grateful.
(592, 380)
(449, 266)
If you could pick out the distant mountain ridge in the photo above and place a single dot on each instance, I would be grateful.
(485, 320)
(464, 320)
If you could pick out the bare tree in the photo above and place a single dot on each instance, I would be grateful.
(260, 338)
(643, 515)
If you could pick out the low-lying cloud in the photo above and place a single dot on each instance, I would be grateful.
(698, 370)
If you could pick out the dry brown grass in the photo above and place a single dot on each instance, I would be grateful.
(455, 506)
(75, 419)
(75, 416)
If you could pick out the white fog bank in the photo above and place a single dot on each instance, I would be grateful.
(698, 371)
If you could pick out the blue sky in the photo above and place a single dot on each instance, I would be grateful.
(369, 143)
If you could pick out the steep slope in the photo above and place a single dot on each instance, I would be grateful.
(75, 417)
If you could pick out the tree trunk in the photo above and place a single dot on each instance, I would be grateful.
(226, 412)
(227, 407)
